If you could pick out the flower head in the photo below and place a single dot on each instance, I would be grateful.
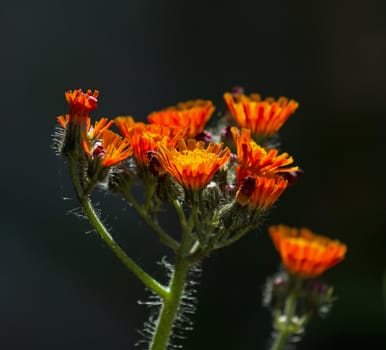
(124, 124)
(145, 138)
(193, 165)
(305, 253)
(258, 160)
(190, 115)
(258, 191)
(76, 124)
(263, 117)
(81, 103)
(94, 132)
(110, 148)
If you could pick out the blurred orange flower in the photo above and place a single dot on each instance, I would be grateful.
(190, 115)
(124, 124)
(262, 117)
(305, 253)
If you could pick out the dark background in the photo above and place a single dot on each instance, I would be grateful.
(61, 288)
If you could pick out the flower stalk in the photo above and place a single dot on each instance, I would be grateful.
(164, 237)
(171, 304)
(285, 323)
(95, 221)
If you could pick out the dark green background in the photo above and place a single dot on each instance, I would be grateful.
(62, 289)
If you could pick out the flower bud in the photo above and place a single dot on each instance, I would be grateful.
(318, 297)
(276, 291)
(293, 176)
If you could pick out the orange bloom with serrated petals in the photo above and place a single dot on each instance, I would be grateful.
(92, 132)
(146, 137)
(77, 124)
(124, 124)
(305, 253)
(99, 127)
(81, 103)
(262, 117)
(190, 115)
(63, 120)
(191, 164)
(110, 148)
(258, 191)
(258, 160)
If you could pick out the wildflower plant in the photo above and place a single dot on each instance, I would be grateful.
(222, 182)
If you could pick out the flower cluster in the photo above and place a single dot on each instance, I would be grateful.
(170, 144)
(219, 185)
(82, 140)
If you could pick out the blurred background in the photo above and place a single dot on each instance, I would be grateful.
(61, 288)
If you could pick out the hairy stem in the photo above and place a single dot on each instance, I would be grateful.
(233, 239)
(286, 328)
(95, 221)
(170, 307)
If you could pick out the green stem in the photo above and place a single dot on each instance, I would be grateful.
(180, 214)
(233, 239)
(95, 221)
(287, 328)
(160, 232)
(170, 306)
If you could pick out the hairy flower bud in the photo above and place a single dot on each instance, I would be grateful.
(318, 297)
(276, 291)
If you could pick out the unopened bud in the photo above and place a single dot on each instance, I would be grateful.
(293, 176)
(154, 165)
(98, 152)
(247, 186)
(120, 178)
(237, 90)
(276, 291)
(205, 136)
(318, 297)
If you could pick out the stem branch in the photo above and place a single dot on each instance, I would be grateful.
(286, 327)
(160, 232)
(95, 221)
(170, 306)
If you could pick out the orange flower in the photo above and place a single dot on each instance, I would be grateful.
(76, 124)
(124, 124)
(146, 137)
(92, 132)
(190, 115)
(110, 148)
(258, 191)
(305, 253)
(81, 103)
(255, 158)
(263, 117)
(63, 120)
(99, 127)
(191, 164)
